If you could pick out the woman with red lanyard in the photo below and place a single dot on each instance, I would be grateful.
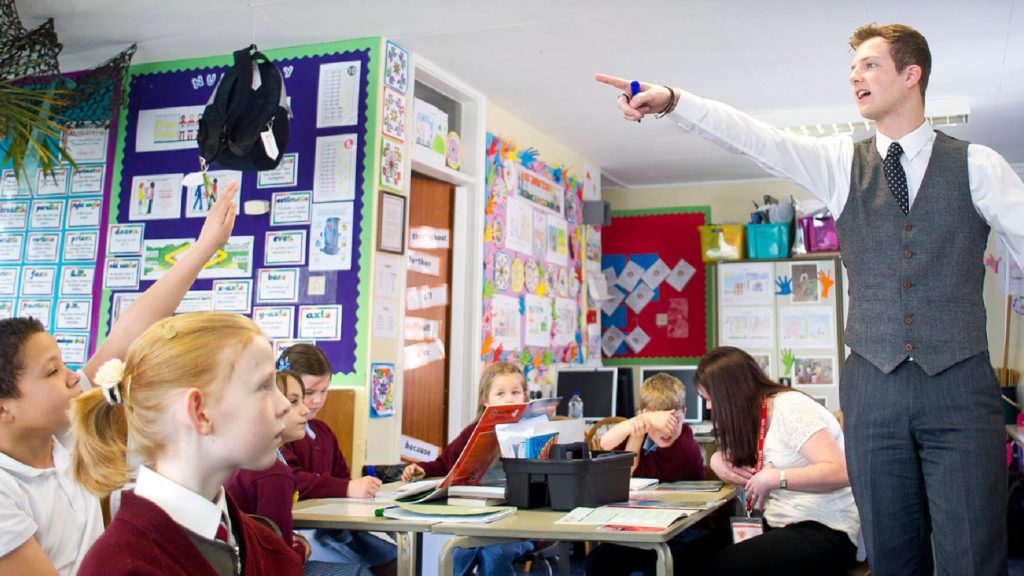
(787, 451)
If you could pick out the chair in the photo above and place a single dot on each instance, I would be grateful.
(593, 436)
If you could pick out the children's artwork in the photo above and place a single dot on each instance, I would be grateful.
(396, 67)
(566, 321)
(382, 383)
(506, 320)
(747, 327)
(814, 370)
(805, 282)
(630, 275)
(806, 327)
(519, 226)
(286, 173)
(746, 284)
(557, 241)
(168, 128)
(656, 273)
(393, 115)
(637, 340)
(338, 94)
(199, 198)
(334, 175)
(611, 340)
(330, 244)
(392, 164)
(542, 191)
(155, 197)
(680, 275)
(639, 297)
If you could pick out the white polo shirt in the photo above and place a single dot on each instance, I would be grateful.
(50, 506)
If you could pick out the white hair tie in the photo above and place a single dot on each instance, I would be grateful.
(109, 377)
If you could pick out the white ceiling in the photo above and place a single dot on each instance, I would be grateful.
(785, 61)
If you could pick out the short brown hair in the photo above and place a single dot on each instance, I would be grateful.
(906, 46)
(305, 359)
(662, 392)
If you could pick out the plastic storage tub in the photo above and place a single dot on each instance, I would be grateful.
(768, 240)
(566, 484)
(819, 233)
(721, 242)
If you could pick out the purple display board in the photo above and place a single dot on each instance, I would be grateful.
(150, 158)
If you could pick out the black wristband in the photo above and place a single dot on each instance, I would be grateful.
(671, 103)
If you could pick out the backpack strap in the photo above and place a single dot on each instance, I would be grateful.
(243, 86)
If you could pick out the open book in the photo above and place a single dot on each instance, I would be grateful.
(481, 449)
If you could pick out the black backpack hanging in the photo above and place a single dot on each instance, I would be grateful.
(239, 124)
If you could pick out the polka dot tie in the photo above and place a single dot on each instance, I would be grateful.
(896, 177)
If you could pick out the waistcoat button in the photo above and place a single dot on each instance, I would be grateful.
(907, 284)
(908, 227)
(908, 319)
(909, 347)
(908, 254)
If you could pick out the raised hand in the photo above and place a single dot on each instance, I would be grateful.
(220, 220)
(651, 99)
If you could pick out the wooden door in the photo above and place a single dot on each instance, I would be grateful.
(425, 392)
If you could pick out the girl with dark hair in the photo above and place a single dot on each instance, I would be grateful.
(788, 452)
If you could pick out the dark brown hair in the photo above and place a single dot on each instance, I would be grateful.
(736, 385)
(14, 333)
(305, 359)
(906, 46)
(281, 378)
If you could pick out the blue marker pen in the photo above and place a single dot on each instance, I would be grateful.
(634, 89)
(371, 470)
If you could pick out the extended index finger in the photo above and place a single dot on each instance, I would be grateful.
(619, 83)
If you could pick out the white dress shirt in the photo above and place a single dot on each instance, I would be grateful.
(187, 508)
(823, 166)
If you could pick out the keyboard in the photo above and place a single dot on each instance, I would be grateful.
(702, 428)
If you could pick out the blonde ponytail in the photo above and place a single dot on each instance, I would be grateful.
(99, 459)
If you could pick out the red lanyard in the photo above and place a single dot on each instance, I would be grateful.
(760, 443)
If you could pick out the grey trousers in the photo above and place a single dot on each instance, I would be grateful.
(927, 463)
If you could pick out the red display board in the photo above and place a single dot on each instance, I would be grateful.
(677, 324)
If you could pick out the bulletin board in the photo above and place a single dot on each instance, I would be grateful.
(532, 300)
(659, 311)
(52, 229)
(301, 271)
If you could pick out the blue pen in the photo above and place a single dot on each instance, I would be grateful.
(371, 470)
(634, 89)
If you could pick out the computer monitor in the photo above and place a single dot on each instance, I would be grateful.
(597, 388)
(695, 411)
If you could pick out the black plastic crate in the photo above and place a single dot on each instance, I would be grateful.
(564, 484)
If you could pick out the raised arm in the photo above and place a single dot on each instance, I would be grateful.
(819, 165)
(163, 297)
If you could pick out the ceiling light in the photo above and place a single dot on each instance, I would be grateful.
(945, 112)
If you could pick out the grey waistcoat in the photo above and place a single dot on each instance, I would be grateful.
(915, 280)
